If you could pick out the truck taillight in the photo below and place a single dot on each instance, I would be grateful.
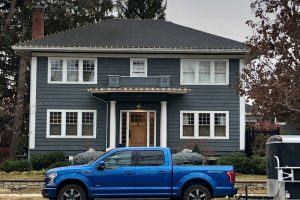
(231, 176)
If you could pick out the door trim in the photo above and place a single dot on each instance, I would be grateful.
(127, 126)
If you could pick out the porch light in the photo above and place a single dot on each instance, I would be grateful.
(138, 106)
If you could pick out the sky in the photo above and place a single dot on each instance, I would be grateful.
(225, 18)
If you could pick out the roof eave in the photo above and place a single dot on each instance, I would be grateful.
(26, 50)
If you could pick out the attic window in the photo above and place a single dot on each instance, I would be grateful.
(72, 70)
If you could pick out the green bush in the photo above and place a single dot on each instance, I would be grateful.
(187, 157)
(44, 160)
(86, 157)
(59, 164)
(15, 165)
(243, 164)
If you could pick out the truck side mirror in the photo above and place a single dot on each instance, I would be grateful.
(101, 165)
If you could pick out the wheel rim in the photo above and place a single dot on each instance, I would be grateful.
(197, 194)
(71, 194)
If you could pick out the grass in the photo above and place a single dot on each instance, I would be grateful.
(250, 177)
(22, 175)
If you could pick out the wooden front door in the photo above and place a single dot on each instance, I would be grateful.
(138, 129)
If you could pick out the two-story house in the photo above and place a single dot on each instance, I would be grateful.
(133, 83)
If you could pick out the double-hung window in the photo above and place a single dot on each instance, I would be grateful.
(71, 124)
(204, 124)
(138, 67)
(72, 70)
(204, 72)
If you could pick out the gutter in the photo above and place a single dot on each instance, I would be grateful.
(126, 49)
(106, 124)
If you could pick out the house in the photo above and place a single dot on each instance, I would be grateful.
(133, 83)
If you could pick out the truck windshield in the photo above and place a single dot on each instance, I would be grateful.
(92, 161)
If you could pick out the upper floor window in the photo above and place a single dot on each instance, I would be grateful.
(72, 70)
(204, 72)
(138, 67)
(71, 123)
(204, 124)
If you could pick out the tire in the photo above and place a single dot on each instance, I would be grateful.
(71, 190)
(196, 192)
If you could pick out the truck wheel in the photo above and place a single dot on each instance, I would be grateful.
(71, 192)
(196, 192)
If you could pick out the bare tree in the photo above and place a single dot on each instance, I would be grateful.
(272, 72)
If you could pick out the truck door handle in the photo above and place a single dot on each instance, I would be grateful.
(163, 172)
(129, 173)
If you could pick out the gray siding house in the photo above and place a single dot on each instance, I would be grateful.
(134, 83)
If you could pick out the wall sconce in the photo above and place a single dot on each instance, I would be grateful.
(138, 106)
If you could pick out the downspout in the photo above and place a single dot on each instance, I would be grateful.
(106, 125)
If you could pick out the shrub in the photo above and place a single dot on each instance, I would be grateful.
(44, 160)
(15, 165)
(258, 165)
(86, 157)
(59, 164)
(243, 164)
(196, 149)
(187, 157)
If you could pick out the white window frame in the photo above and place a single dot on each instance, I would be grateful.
(212, 71)
(196, 125)
(63, 124)
(64, 70)
(138, 59)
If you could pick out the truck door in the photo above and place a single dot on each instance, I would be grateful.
(153, 174)
(118, 176)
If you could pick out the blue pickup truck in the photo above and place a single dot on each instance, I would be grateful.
(138, 172)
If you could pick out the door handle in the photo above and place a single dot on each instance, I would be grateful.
(129, 173)
(163, 172)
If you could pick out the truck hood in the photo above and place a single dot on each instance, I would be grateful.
(69, 169)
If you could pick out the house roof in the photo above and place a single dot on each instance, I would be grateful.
(143, 35)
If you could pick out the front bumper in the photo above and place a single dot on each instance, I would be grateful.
(49, 193)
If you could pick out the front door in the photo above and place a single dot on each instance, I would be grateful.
(138, 129)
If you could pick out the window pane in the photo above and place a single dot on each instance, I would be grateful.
(204, 124)
(87, 123)
(220, 72)
(188, 72)
(55, 123)
(188, 124)
(138, 68)
(71, 123)
(88, 70)
(150, 158)
(204, 72)
(119, 159)
(56, 70)
(220, 124)
(72, 70)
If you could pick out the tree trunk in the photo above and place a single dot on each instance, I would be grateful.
(19, 110)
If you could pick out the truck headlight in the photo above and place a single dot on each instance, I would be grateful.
(51, 177)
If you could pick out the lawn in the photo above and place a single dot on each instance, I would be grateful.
(22, 175)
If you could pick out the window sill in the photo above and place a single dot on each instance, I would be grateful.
(209, 138)
(71, 137)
